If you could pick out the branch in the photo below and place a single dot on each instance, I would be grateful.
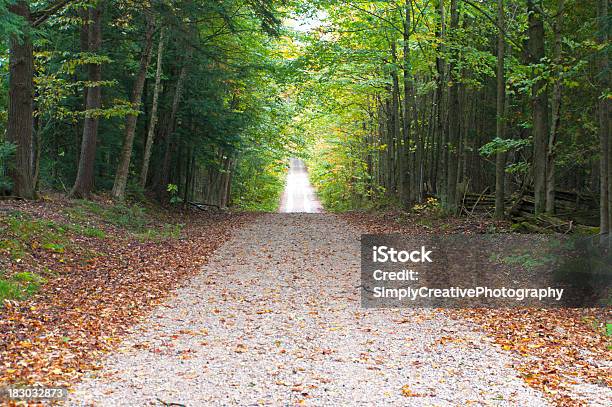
(399, 30)
(41, 16)
(199, 205)
(492, 20)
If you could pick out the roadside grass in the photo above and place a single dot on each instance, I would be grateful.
(130, 217)
(166, 231)
(31, 244)
(19, 286)
(21, 234)
(135, 219)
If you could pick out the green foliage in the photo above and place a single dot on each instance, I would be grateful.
(258, 183)
(167, 231)
(173, 190)
(20, 233)
(230, 95)
(54, 247)
(19, 286)
(256, 92)
(431, 209)
(340, 175)
(498, 145)
(131, 217)
(86, 231)
(526, 260)
(10, 24)
(518, 168)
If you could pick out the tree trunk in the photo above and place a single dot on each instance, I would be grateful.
(500, 159)
(151, 133)
(224, 185)
(21, 106)
(604, 123)
(556, 112)
(440, 169)
(453, 123)
(84, 183)
(416, 140)
(540, 107)
(178, 91)
(390, 190)
(395, 115)
(190, 163)
(405, 150)
(123, 168)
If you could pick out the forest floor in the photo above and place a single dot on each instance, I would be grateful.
(74, 275)
(145, 306)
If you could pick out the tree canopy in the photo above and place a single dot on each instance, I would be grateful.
(391, 102)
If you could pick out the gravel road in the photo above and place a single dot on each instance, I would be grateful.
(299, 195)
(274, 319)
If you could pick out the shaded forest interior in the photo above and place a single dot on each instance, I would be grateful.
(501, 107)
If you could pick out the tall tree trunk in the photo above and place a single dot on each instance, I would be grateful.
(414, 152)
(84, 183)
(556, 112)
(21, 106)
(539, 106)
(178, 92)
(123, 168)
(441, 126)
(190, 163)
(433, 145)
(453, 123)
(604, 123)
(151, 133)
(230, 176)
(381, 141)
(224, 185)
(390, 191)
(395, 114)
(84, 47)
(405, 150)
(500, 159)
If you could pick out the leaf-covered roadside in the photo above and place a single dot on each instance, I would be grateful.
(98, 284)
(555, 351)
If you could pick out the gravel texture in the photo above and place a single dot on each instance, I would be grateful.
(274, 319)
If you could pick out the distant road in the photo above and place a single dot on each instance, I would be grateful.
(299, 196)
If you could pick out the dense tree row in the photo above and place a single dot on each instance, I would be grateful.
(129, 97)
(396, 100)
(446, 97)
